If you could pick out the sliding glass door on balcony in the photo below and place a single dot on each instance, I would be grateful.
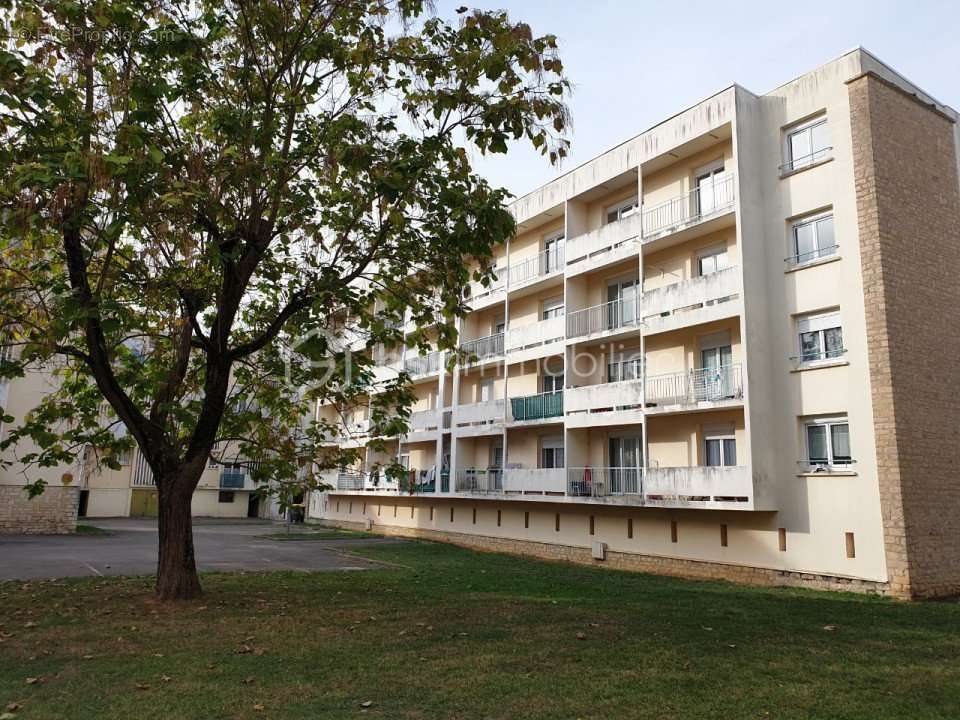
(623, 303)
(626, 464)
(716, 380)
(711, 191)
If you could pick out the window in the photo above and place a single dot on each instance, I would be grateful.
(551, 452)
(623, 303)
(622, 367)
(499, 326)
(486, 390)
(711, 260)
(553, 308)
(720, 449)
(807, 143)
(552, 383)
(553, 253)
(621, 210)
(225, 496)
(712, 188)
(812, 239)
(828, 444)
(820, 337)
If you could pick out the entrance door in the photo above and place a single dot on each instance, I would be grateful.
(715, 381)
(253, 505)
(626, 463)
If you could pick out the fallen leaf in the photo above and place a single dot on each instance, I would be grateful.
(366, 703)
(32, 680)
(258, 707)
(165, 678)
(249, 680)
(581, 636)
(829, 627)
(13, 707)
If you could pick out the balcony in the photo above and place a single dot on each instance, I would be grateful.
(694, 209)
(479, 480)
(702, 389)
(537, 408)
(602, 321)
(534, 340)
(365, 482)
(616, 403)
(424, 425)
(721, 488)
(484, 348)
(483, 418)
(534, 481)
(480, 296)
(607, 244)
(142, 475)
(528, 272)
(233, 478)
(690, 302)
(422, 365)
(716, 488)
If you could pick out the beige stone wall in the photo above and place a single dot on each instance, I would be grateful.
(54, 512)
(908, 205)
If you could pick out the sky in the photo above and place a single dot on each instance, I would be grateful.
(636, 63)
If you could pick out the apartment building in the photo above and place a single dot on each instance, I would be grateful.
(721, 349)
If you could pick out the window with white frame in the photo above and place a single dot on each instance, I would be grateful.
(551, 452)
(627, 365)
(820, 337)
(828, 443)
(553, 307)
(720, 448)
(806, 143)
(622, 209)
(812, 238)
(552, 383)
(712, 260)
(553, 252)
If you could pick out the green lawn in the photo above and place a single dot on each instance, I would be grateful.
(447, 633)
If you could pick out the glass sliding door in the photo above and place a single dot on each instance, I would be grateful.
(623, 303)
(626, 464)
(715, 380)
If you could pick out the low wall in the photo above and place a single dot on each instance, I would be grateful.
(53, 512)
(676, 567)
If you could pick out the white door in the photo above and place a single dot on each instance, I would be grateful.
(623, 303)
(714, 381)
(710, 193)
(626, 463)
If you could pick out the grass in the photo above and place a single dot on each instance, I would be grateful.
(91, 530)
(447, 633)
(319, 534)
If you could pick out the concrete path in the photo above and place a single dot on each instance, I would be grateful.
(131, 549)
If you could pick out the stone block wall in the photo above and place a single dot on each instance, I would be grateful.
(54, 512)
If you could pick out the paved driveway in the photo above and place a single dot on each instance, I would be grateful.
(131, 549)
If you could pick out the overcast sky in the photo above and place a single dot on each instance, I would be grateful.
(634, 63)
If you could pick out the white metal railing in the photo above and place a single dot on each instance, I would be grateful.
(485, 347)
(805, 160)
(701, 385)
(350, 480)
(541, 332)
(142, 474)
(423, 364)
(802, 258)
(479, 480)
(604, 481)
(612, 315)
(691, 207)
(543, 263)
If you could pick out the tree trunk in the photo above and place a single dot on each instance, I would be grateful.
(176, 566)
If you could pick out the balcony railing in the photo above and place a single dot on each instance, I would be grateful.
(534, 481)
(703, 385)
(142, 474)
(350, 480)
(480, 480)
(424, 420)
(806, 160)
(481, 413)
(613, 315)
(483, 348)
(542, 332)
(539, 265)
(692, 207)
(811, 256)
(537, 407)
(423, 364)
(479, 291)
(604, 482)
(607, 243)
(233, 478)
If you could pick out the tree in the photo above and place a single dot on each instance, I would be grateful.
(189, 186)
